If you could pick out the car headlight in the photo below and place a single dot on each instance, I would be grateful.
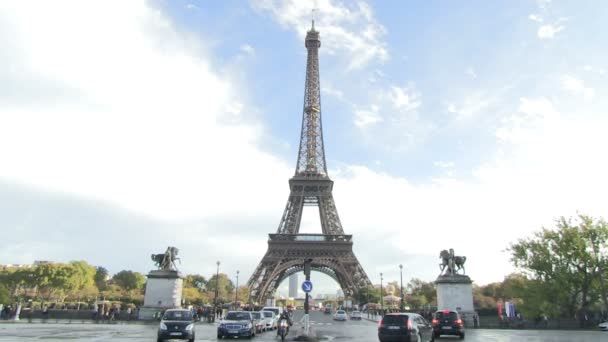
(163, 326)
(189, 327)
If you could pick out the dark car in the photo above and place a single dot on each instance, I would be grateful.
(176, 324)
(327, 310)
(237, 324)
(405, 326)
(447, 322)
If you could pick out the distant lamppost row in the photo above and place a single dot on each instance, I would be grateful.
(217, 283)
(381, 296)
(402, 304)
(236, 291)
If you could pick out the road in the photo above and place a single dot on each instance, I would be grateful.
(323, 325)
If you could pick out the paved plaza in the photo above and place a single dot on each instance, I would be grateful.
(325, 327)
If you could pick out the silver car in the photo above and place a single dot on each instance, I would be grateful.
(271, 320)
(259, 321)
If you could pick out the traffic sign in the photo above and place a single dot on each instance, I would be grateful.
(307, 286)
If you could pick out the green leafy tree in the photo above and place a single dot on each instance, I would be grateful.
(566, 263)
(225, 289)
(421, 294)
(129, 280)
(196, 281)
(101, 278)
(5, 296)
(369, 294)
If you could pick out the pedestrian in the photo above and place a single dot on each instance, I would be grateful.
(129, 312)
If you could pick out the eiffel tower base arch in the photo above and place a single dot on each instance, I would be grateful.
(330, 254)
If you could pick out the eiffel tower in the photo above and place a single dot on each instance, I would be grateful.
(331, 252)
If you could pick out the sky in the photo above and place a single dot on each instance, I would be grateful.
(130, 126)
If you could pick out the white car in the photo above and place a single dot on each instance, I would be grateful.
(603, 326)
(271, 321)
(340, 315)
(355, 315)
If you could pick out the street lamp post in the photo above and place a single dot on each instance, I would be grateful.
(217, 285)
(402, 303)
(236, 291)
(381, 296)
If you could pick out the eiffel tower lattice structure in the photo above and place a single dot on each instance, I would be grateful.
(331, 252)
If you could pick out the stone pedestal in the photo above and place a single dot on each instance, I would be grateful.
(163, 291)
(455, 292)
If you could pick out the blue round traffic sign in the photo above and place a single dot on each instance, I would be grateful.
(307, 286)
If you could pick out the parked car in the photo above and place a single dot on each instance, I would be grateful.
(603, 326)
(340, 315)
(271, 320)
(405, 326)
(447, 322)
(355, 315)
(176, 324)
(236, 324)
(327, 310)
(276, 309)
(259, 322)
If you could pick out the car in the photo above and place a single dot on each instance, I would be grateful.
(271, 321)
(340, 315)
(259, 322)
(236, 324)
(448, 322)
(327, 310)
(405, 326)
(603, 326)
(176, 324)
(355, 315)
(276, 309)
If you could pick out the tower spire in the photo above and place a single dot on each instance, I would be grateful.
(311, 155)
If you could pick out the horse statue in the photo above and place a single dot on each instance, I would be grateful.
(459, 262)
(166, 261)
(451, 264)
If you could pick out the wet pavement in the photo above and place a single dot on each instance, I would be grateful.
(323, 325)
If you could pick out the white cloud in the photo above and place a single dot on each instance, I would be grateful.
(577, 87)
(532, 116)
(248, 49)
(392, 121)
(549, 31)
(130, 113)
(191, 6)
(331, 91)
(536, 18)
(348, 29)
(473, 105)
(471, 72)
(599, 71)
(444, 164)
(369, 116)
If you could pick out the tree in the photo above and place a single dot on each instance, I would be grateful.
(101, 277)
(226, 288)
(5, 296)
(566, 262)
(129, 280)
(420, 293)
(369, 294)
(196, 281)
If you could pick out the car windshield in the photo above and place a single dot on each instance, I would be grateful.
(447, 315)
(267, 314)
(256, 315)
(356, 313)
(181, 315)
(395, 320)
(238, 316)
